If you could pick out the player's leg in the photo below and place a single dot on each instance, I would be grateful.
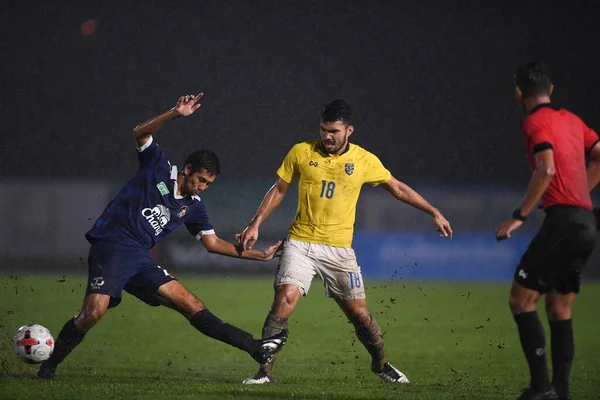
(522, 303)
(209, 324)
(105, 282)
(155, 286)
(73, 332)
(531, 280)
(292, 281)
(558, 308)
(284, 302)
(570, 236)
(343, 281)
(369, 334)
(571, 256)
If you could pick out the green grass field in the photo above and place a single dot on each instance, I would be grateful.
(453, 341)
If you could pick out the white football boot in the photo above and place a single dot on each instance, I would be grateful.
(259, 378)
(391, 374)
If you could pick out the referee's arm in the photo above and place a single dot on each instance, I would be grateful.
(593, 170)
(542, 176)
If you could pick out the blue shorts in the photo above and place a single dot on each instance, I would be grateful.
(113, 267)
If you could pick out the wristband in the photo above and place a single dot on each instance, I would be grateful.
(517, 215)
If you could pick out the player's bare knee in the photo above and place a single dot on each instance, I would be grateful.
(196, 305)
(89, 316)
(356, 311)
(285, 301)
(558, 311)
(520, 305)
(514, 305)
(189, 305)
(95, 313)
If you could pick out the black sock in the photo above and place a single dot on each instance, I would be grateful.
(563, 350)
(533, 341)
(68, 338)
(212, 326)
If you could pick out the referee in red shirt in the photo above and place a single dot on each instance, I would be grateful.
(557, 143)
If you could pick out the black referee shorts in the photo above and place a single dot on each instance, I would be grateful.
(557, 254)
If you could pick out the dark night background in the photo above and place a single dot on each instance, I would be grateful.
(432, 86)
(431, 82)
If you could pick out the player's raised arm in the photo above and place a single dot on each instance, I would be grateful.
(272, 199)
(186, 105)
(406, 194)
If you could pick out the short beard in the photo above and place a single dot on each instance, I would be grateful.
(335, 150)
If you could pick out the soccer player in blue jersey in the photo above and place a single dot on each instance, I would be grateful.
(155, 202)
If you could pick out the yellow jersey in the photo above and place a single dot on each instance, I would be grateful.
(328, 190)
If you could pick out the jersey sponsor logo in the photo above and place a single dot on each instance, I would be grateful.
(97, 282)
(313, 164)
(349, 168)
(182, 211)
(162, 188)
(157, 217)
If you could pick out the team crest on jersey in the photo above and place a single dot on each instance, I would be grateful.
(162, 188)
(349, 168)
(182, 211)
(157, 217)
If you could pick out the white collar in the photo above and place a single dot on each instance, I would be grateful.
(174, 174)
(174, 178)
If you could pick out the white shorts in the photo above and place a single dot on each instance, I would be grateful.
(336, 266)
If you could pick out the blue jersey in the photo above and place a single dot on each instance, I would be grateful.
(147, 208)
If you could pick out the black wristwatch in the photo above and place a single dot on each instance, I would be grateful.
(517, 215)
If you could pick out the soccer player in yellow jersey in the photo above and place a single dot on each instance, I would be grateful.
(331, 172)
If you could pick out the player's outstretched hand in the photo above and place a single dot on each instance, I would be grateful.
(186, 105)
(247, 238)
(443, 226)
(272, 251)
(507, 228)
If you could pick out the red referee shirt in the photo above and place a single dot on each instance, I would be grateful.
(570, 139)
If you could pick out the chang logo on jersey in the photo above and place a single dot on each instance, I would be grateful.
(157, 217)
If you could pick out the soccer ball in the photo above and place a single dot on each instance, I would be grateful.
(33, 343)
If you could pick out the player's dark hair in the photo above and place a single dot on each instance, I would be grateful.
(337, 110)
(533, 79)
(204, 159)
